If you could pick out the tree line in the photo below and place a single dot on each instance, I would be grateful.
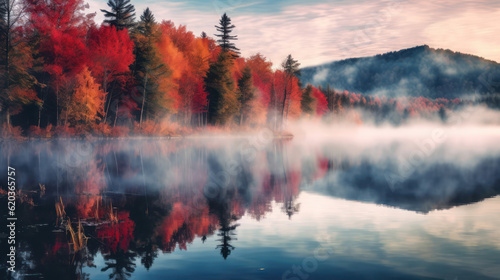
(63, 74)
(61, 70)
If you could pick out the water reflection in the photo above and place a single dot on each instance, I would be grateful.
(139, 201)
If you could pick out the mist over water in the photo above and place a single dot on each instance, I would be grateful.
(414, 201)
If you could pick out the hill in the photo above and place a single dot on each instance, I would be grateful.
(418, 71)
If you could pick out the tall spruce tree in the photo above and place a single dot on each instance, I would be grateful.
(223, 103)
(291, 66)
(225, 39)
(147, 22)
(122, 14)
(148, 68)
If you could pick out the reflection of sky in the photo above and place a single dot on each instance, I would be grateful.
(366, 240)
(320, 31)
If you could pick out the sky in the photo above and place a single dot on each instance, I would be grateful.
(319, 31)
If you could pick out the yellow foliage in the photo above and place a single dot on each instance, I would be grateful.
(87, 102)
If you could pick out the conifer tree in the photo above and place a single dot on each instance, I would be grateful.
(147, 22)
(122, 14)
(221, 88)
(225, 39)
(307, 100)
(148, 69)
(246, 94)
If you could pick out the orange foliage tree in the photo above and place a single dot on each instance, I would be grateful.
(262, 75)
(87, 102)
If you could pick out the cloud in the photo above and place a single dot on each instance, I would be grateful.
(323, 32)
(320, 76)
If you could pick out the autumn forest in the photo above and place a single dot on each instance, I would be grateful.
(65, 75)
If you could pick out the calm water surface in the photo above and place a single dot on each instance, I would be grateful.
(385, 207)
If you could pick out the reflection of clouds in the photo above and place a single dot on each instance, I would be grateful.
(471, 225)
(463, 239)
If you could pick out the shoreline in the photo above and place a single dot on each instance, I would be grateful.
(276, 136)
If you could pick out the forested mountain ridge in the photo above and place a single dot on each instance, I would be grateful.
(418, 71)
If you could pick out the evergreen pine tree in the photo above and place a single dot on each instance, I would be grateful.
(291, 66)
(147, 23)
(122, 14)
(148, 68)
(225, 39)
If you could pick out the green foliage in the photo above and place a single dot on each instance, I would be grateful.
(291, 66)
(225, 42)
(122, 14)
(148, 69)
(223, 100)
(246, 93)
(307, 100)
(147, 23)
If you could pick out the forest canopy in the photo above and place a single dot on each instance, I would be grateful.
(64, 74)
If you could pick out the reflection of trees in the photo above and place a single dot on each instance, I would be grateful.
(220, 200)
(121, 263)
(147, 212)
(220, 207)
(226, 232)
(290, 207)
(148, 254)
(282, 182)
(127, 219)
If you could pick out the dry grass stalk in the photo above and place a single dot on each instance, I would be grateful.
(60, 209)
(113, 218)
(78, 238)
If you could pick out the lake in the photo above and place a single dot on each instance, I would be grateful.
(356, 203)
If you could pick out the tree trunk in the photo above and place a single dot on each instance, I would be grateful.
(8, 118)
(288, 107)
(7, 65)
(143, 99)
(275, 106)
(57, 105)
(105, 88)
(7, 45)
(116, 115)
(39, 115)
(66, 118)
(284, 102)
